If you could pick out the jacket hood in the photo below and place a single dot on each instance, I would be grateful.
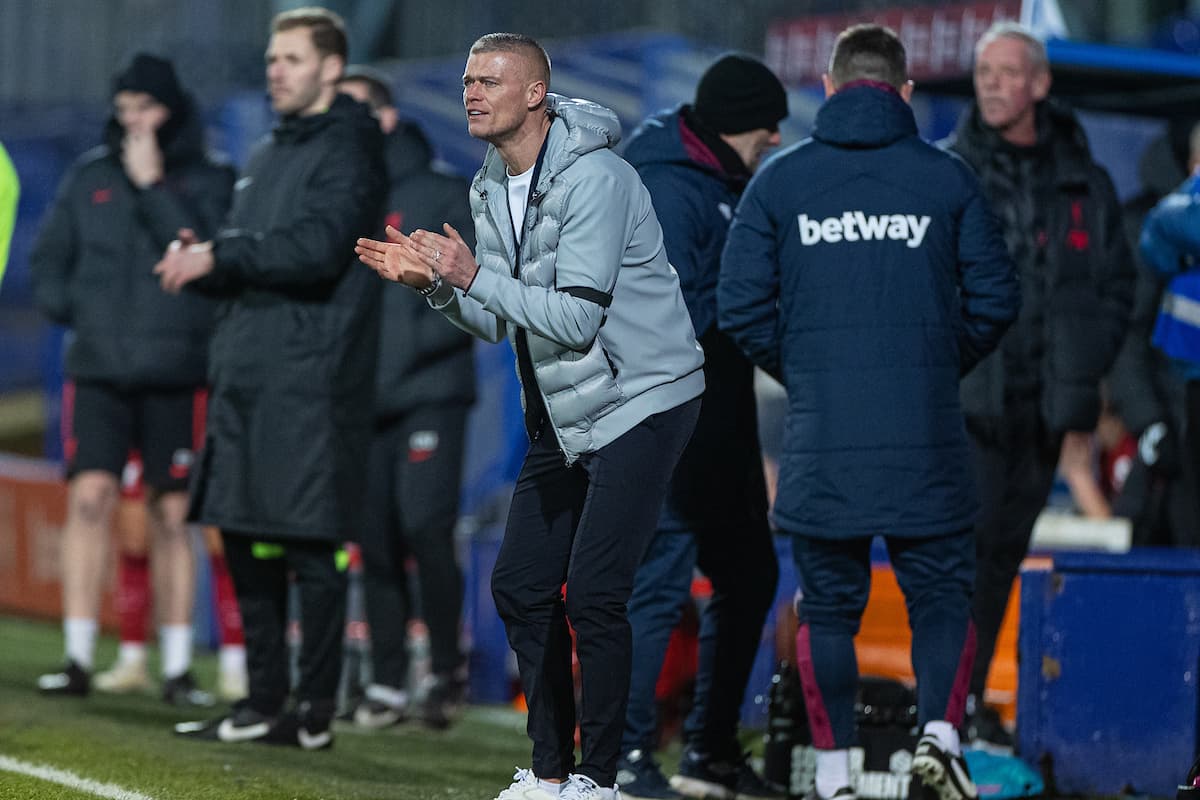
(181, 137)
(658, 141)
(407, 150)
(344, 108)
(864, 117)
(1059, 136)
(578, 127)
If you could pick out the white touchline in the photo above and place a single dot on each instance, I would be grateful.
(69, 779)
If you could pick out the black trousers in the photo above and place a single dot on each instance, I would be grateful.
(260, 570)
(412, 507)
(1015, 476)
(586, 526)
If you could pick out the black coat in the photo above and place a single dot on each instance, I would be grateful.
(93, 258)
(1063, 226)
(423, 358)
(292, 363)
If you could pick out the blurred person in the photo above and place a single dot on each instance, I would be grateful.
(1160, 491)
(1170, 245)
(292, 369)
(137, 358)
(696, 160)
(10, 193)
(424, 387)
(1039, 393)
(864, 270)
(128, 673)
(571, 267)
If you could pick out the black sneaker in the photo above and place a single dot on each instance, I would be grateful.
(984, 729)
(1190, 788)
(301, 728)
(640, 778)
(242, 724)
(443, 701)
(708, 778)
(73, 681)
(182, 691)
(940, 772)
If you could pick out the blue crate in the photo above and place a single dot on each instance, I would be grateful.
(1107, 683)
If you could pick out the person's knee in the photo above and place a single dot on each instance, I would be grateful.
(93, 498)
(589, 604)
(832, 619)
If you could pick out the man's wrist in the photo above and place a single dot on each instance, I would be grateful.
(433, 286)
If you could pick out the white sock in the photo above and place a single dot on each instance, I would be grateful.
(131, 653)
(833, 771)
(232, 658)
(946, 735)
(550, 788)
(79, 635)
(175, 644)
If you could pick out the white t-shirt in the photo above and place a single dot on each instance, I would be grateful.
(518, 199)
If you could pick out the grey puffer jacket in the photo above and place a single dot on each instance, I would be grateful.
(590, 236)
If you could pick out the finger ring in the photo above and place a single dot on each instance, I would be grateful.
(437, 255)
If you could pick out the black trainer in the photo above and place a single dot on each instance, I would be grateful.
(443, 701)
(706, 777)
(72, 681)
(640, 778)
(301, 727)
(940, 772)
(241, 724)
(182, 691)
(984, 729)
(1190, 788)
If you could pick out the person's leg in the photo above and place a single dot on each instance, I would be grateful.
(627, 480)
(1014, 483)
(661, 586)
(835, 576)
(232, 683)
(128, 672)
(429, 477)
(936, 575)
(527, 582)
(744, 570)
(385, 583)
(97, 441)
(259, 574)
(170, 430)
(321, 580)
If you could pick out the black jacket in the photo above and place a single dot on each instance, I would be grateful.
(93, 258)
(423, 358)
(292, 363)
(1063, 226)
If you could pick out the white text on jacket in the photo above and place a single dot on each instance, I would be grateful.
(855, 226)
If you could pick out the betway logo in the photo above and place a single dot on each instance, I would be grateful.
(855, 226)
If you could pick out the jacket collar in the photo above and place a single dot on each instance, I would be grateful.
(864, 116)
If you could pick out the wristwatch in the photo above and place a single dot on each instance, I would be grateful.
(433, 286)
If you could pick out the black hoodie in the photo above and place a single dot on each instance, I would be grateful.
(94, 255)
(423, 358)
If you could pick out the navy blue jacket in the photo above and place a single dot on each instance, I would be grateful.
(718, 481)
(865, 270)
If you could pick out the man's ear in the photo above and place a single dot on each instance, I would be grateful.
(332, 67)
(535, 95)
(827, 81)
(906, 91)
(1040, 87)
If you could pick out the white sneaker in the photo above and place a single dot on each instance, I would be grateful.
(525, 786)
(581, 787)
(123, 677)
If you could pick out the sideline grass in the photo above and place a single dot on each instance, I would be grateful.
(126, 740)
